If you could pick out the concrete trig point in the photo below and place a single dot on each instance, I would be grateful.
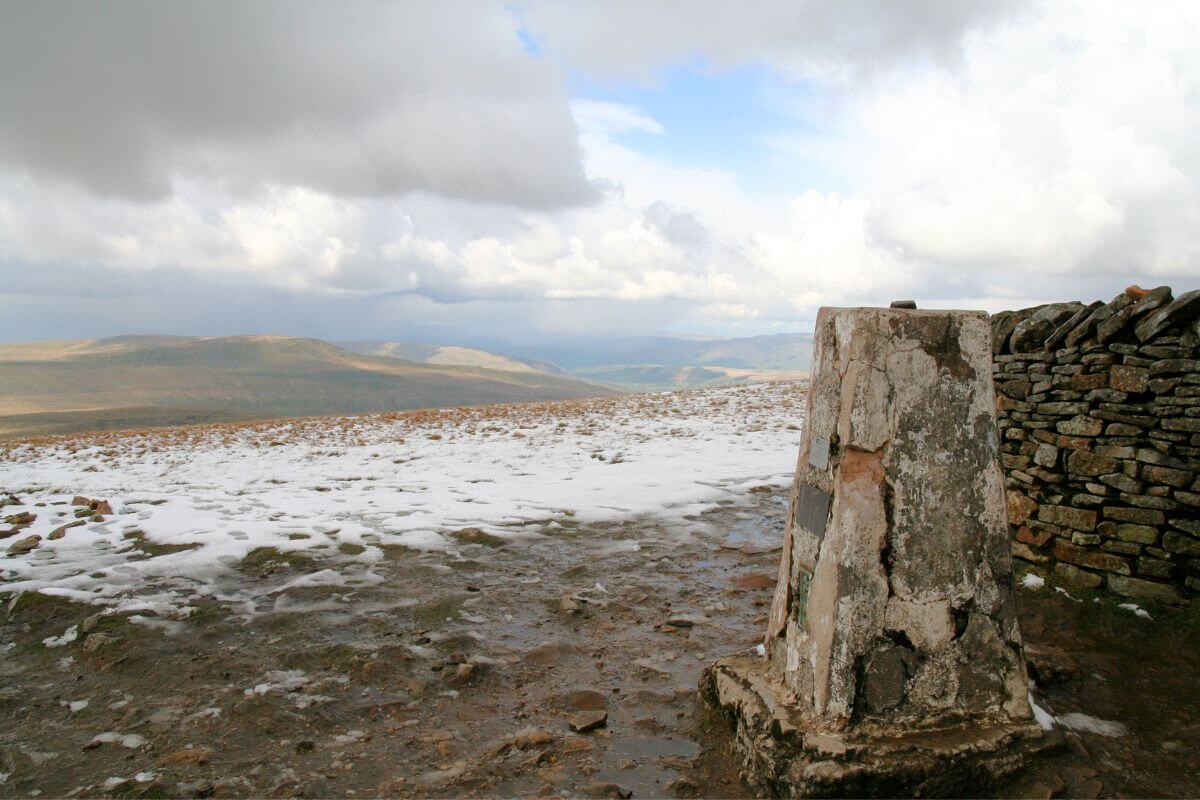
(894, 660)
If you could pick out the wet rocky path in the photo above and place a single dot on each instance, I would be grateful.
(566, 665)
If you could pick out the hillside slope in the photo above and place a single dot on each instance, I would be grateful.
(452, 355)
(132, 381)
(653, 377)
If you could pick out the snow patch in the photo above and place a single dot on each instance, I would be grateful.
(1032, 581)
(1136, 609)
(1043, 717)
(131, 740)
(346, 489)
(1083, 722)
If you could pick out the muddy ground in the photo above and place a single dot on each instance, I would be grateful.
(563, 666)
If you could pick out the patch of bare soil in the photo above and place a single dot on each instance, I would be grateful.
(1091, 657)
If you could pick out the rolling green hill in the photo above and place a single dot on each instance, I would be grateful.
(136, 381)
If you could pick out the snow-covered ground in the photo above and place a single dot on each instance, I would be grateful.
(344, 488)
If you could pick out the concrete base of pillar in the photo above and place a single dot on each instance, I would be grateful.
(780, 758)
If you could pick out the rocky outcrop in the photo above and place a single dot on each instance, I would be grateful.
(1100, 440)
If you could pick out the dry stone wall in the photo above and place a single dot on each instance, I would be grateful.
(1099, 415)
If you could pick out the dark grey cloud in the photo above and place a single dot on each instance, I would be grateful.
(846, 36)
(354, 98)
(68, 301)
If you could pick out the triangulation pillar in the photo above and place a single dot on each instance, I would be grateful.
(893, 656)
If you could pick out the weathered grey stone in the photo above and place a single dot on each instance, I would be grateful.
(1162, 351)
(1155, 568)
(1143, 590)
(1062, 408)
(1031, 334)
(1172, 366)
(1171, 477)
(1123, 547)
(1077, 577)
(1149, 302)
(1081, 462)
(1191, 526)
(893, 624)
(1046, 456)
(1183, 545)
(1182, 310)
(1128, 379)
(1187, 498)
(1084, 557)
(1089, 324)
(1075, 518)
(1062, 331)
(1140, 516)
(1142, 534)
(1004, 323)
(1148, 501)
(1081, 426)
(1106, 395)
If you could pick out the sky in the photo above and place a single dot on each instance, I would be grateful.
(530, 170)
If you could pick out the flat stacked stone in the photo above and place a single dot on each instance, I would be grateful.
(1100, 443)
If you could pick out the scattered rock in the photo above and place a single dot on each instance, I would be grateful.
(478, 536)
(189, 756)
(588, 721)
(1047, 788)
(22, 546)
(96, 641)
(61, 530)
(531, 737)
(1049, 664)
(548, 653)
(686, 787)
(21, 520)
(575, 744)
(608, 790)
(462, 674)
(754, 581)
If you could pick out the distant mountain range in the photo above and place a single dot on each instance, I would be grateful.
(663, 362)
(141, 381)
(638, 363)
(782, 351)
(136, 381)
